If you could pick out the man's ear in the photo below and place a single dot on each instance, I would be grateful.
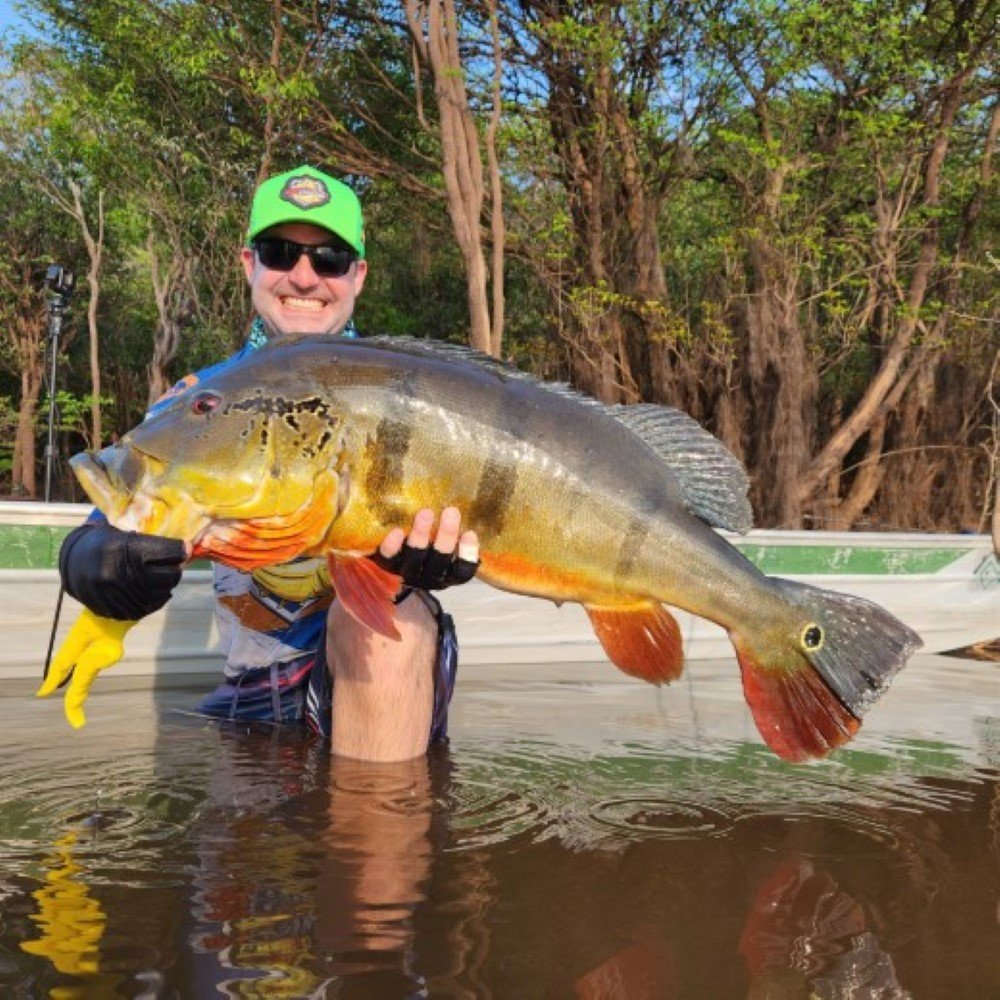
(360, 272)
(247, 257)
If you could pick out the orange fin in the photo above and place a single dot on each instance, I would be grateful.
(643, 640)
(367, 592)
(228, 543)
(797, 714)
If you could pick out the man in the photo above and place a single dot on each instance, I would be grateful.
(378, 699)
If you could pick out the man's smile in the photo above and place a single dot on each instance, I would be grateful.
(294, 302)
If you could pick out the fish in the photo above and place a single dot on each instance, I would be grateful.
(317, 446)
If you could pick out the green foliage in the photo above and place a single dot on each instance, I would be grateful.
(8, 428)
(73, 414)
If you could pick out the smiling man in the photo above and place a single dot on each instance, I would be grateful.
(293, 655)
(294, 290)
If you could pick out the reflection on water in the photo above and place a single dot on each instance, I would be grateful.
(70, 922)
(155, 854)
(805, 937)
(323, 886)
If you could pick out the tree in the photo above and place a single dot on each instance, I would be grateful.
(31, 242)
(619, 133)
(836, 151)
(434, 28)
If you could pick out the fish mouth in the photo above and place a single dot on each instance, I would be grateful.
(100, 475)
(122, 482)
(129, 486)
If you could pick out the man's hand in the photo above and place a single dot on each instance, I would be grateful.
(120, 574)
(93, 644)
(452, 559)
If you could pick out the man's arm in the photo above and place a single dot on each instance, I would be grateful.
(383, 690)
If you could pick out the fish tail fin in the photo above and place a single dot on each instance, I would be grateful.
(642, 640)
(810, 681)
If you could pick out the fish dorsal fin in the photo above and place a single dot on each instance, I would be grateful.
(713, 482)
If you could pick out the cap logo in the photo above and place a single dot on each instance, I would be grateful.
(305, 192)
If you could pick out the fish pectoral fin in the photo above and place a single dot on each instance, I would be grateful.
(643, 640)
(367, 592)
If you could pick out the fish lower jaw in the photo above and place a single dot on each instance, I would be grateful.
(151, 516)
(137, 516)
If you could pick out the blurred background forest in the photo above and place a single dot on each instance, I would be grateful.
(780, 217)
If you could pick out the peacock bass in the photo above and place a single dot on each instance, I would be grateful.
(318, 445)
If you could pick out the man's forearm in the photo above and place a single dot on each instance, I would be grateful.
(383, 690)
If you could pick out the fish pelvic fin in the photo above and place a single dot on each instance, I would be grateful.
(810, 685)
(642, 640)
(367, 592)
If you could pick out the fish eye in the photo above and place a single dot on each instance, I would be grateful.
(812, 637)
(205, 402)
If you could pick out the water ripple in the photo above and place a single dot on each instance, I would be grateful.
(493, 817)
(667, 819)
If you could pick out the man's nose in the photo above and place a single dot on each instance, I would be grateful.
(303, 274)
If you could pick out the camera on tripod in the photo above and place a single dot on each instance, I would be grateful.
(59, 281)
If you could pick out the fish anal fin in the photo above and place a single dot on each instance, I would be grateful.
(366, 591)
(642, 640)
(797, 714)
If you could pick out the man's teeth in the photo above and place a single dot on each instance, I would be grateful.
(295, 303)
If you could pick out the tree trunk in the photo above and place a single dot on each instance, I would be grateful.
(433, 26)
(497, 227)
(24, 339)
(23, 473)
(782, 384)
(172, 308)
(95, 253)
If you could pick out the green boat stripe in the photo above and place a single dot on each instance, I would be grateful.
(844, 560)
(24, 546)
(30, 546)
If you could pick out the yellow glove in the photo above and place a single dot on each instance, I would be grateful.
(93, 643)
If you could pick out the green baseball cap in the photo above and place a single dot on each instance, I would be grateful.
(308, 195)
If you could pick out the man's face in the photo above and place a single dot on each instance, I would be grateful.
(300, 301)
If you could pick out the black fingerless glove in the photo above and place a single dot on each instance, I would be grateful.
(426, 568)
(119, 574)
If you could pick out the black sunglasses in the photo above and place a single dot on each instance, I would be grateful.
(282, 255)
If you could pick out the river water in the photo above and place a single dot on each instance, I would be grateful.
(582, 836)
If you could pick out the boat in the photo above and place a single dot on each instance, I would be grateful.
(945, 586)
